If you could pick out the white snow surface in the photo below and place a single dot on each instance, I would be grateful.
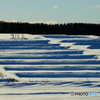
(48, 88)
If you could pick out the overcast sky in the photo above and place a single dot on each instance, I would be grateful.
(50, 11)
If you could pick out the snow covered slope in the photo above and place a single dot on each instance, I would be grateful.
(49, 67)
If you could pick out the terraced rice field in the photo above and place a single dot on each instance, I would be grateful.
(50, 65)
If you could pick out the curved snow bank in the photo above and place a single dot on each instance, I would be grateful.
(66, 44)
(54, 41)
(79, 47)
(93, 37)
(5, 74)
(92, 52)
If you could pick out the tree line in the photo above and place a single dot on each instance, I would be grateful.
(41, 28)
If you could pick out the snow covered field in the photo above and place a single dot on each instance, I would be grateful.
(49, 67)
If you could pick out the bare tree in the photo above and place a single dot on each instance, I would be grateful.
(13, 36)
(17, 35)
(22, 36)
